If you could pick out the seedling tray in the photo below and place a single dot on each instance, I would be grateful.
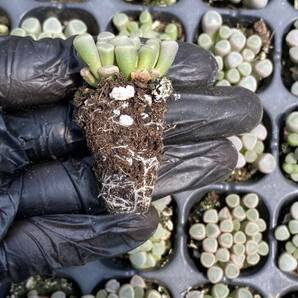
(276, 191)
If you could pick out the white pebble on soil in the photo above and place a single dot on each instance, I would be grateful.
(122, 93)
(125, 120)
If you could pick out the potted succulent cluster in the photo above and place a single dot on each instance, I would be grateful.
(290, 74)
(147, 27)
(126, 96)
(242, 52)
(227, 234)
(221, 290)
(243, 57)
(252, 155)
(51, 27)
(37, 286)
(287, 235)
(155, 252)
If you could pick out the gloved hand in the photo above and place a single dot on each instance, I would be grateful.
(196, 154)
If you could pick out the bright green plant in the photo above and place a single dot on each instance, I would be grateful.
(111, 55)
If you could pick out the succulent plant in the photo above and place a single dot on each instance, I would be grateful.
(221, 290)
(230, 238)
(129, 88)
(145, 26)
(111, 55)
(287, 233)
(153, 253)
(241, 53)
(137, 287)
(50, 28)
(251, 155)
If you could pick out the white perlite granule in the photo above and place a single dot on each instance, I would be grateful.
(148, 99)
(125, 120)
(122, 93)
(116, 112)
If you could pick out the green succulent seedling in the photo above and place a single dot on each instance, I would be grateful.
(123, 55)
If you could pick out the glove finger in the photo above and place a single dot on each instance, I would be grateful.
(43, 244)
(209, 113)
(57, 187)
(38, 134)
(190, 166)
(12, 155)
(35, 73)
(193, 67)
(8, 207)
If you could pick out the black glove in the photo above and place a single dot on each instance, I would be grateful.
(47, 71)
(38, 134)
(196, 154)
(36, 72)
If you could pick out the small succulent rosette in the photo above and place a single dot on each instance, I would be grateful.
(287, 235)
(252, 155)
(145, 26)
(227, 237)
(122, 112)
(251, 4)
(242, 53)
(289, 147)
(221, 290)
(51, 27)
(137, 287)
(155, 252)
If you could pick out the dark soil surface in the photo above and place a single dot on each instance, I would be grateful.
(243, 174)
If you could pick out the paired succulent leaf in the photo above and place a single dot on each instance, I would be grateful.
(111, 55)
